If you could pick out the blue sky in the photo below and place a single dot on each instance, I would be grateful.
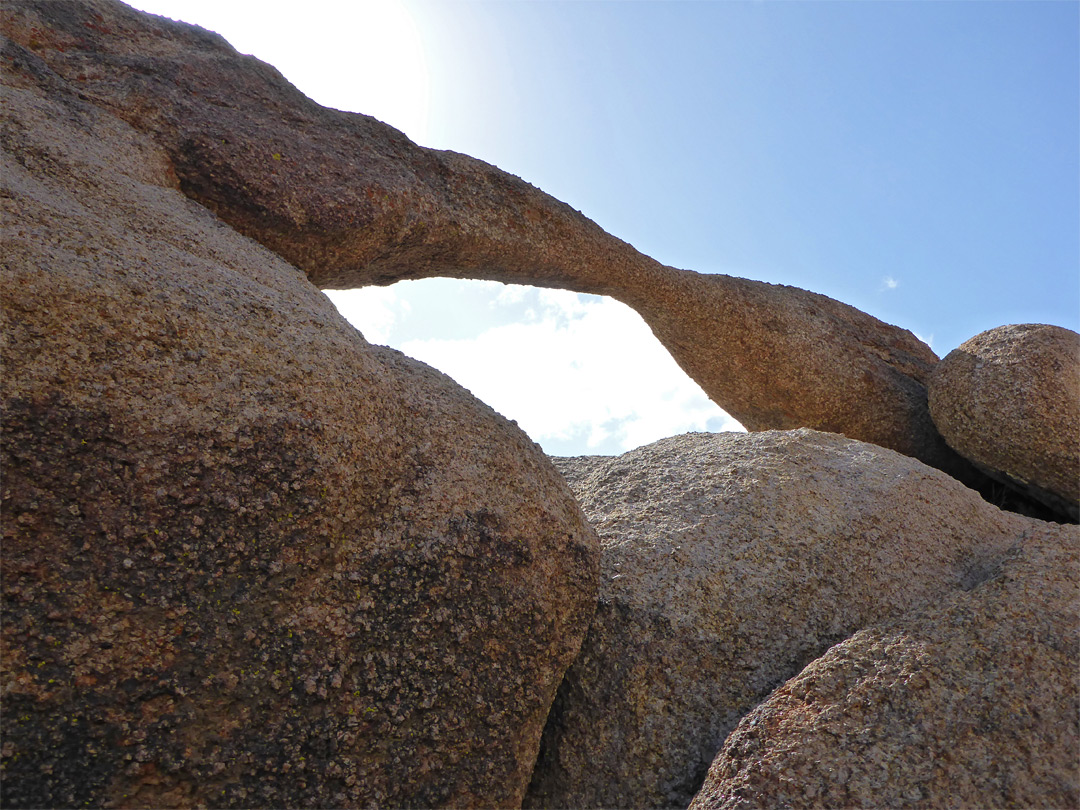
(918, 160)
(828, 145)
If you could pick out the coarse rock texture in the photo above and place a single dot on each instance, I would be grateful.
(248, 559)
(729, 561)
(353, 202)
(971, 702)
(1009, 400)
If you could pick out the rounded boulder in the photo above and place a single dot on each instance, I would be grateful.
(249, 559)
(1008, 400)
(728, 562)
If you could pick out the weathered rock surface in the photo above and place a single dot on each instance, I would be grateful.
(352, 202)
(730, 561)
(1009, 400)
(971, 702)
(248, 559)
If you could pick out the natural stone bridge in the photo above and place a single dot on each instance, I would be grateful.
(353, 202)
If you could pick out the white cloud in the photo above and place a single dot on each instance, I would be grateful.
(889, 283)
(510, 294)
(929, 340)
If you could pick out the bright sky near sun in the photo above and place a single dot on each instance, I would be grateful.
(918, 160)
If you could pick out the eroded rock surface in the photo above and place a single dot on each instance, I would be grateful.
(971, 702)
(730, 561)
(353, 202)
(248, 559)
(1009, 400)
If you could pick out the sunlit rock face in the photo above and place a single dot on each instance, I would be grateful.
(730, 561)
(352, 202)
(248, 559)
(1009, 400)
(970, 702)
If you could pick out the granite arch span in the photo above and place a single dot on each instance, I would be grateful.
(353, 202)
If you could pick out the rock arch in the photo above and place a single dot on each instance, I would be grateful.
(352, 202)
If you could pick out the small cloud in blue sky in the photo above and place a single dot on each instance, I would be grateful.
(889, 283)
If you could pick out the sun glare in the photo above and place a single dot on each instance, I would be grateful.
(358, 55)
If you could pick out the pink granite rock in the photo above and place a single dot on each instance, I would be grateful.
(729, 561)
(969, 702)
(1009, 400)
(248, 559)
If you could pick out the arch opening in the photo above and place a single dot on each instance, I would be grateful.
(581, 374)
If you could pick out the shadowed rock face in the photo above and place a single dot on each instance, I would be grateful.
(970, 702)
(728, 561)
(248, 559)
(353, 202)
(1008, 399)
